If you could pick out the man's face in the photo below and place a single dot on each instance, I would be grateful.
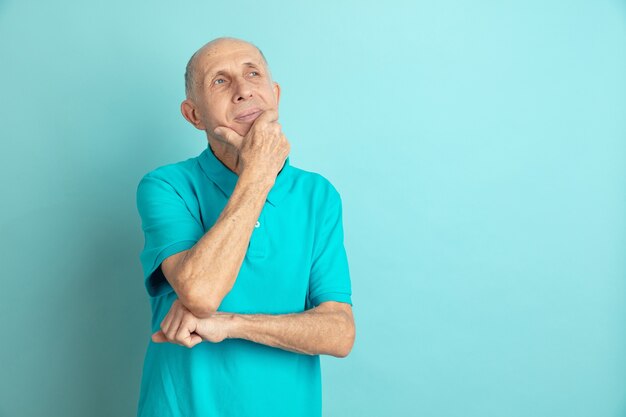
(233, 87)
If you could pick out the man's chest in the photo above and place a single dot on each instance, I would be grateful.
(274, 275)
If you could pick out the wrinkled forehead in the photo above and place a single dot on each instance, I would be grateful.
(226, 56)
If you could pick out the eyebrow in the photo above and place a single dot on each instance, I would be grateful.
(212, 74)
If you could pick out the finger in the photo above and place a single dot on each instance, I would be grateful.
(268, 116)
(187, 327)
(165, 324)
(195, 339)
(159, 337)
(191, 340)
(191, 336)
(169, 320)
(228, 135)
(275, 128)
(171, 314)
(175, 324)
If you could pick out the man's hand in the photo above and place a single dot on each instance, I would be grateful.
(326, 329)
(180, 326)
(263, 150)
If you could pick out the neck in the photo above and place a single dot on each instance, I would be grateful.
(227, 154)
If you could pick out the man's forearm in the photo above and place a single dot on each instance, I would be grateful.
(209, 269)
(312, 332)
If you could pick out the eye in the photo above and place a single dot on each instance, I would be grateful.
(219, 81)
(254, 73)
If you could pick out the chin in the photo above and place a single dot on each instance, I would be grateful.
(242, 129)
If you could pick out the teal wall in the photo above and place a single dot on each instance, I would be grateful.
(479, 148)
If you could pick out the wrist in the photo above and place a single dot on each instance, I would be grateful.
(261, 183)
(232, 325)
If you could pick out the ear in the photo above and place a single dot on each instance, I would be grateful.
(277, 92)
(188, 109)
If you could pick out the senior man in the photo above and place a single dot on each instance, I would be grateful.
(244, 260)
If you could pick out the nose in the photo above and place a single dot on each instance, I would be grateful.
(242, 90)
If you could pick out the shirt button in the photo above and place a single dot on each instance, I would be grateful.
(258, 224)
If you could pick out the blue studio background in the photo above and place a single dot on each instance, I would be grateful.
(479, 148)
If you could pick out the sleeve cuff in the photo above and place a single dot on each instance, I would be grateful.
(156, 284)
(341, 297)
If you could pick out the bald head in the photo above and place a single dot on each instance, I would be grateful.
(191, 71)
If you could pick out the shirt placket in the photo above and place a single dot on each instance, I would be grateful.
(258, 246)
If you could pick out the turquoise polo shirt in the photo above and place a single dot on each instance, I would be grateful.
(295, 260)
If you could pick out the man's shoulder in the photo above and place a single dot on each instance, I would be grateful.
(175, 172)
(179, 177)
(314, 184)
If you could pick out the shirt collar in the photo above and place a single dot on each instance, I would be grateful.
(226, 179)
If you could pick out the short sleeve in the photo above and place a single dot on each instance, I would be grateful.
(330, 276)
(169, 227)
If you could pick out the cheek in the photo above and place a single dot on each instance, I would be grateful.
(215, 115)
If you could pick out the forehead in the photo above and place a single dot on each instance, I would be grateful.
(223, 57)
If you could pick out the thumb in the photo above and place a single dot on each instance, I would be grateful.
(228, 135)
(194, 339)
(159, 337)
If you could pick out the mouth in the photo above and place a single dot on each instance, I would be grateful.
(248, 115)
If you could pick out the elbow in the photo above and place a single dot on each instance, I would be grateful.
(198, 294)
(202, 309)
(200, 302)
(341, 354)
(344, 347)
(345, 350)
